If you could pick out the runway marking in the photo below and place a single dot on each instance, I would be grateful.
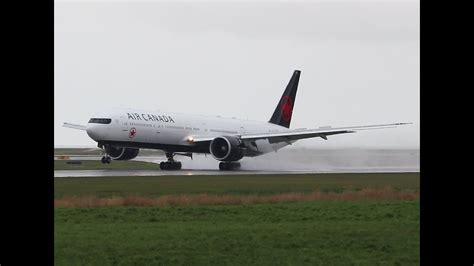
(104, 173)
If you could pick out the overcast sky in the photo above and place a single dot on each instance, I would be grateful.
(359, 61)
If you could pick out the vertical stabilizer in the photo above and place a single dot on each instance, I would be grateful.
(283, 111)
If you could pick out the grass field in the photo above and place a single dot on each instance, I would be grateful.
(77, 151)
(375, 231)
(97, 151)
(97, 165)
(231, 184)
(317, 233)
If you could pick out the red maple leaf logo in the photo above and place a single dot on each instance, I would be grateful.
(286, 108)
(132, 132)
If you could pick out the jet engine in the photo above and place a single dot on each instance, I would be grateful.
(121, 154)
(227, 148)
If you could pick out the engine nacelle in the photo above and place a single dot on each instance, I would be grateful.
(227, 148)
(121, 154)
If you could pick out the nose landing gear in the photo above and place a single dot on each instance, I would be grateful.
(171, 164)
(227, 166)
(106, 159)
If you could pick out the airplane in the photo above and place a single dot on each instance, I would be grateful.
(123, 133)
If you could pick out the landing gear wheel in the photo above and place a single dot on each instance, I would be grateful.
(228, 166)
(223, 166)
(170, 165)
(106, 159)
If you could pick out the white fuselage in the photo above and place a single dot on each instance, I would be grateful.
(174, 132)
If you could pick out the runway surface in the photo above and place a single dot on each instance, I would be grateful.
(287, 161)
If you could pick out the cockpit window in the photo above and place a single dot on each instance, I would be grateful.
(100, 120)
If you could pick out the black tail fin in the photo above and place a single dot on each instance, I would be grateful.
(284, 109)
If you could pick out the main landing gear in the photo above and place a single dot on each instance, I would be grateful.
(227, 166)
(171, 164)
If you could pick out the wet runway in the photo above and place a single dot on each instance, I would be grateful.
(289, 161)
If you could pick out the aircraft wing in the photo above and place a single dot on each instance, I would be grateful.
(75, 126)
(292, 135)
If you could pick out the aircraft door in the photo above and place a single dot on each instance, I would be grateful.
(124, 127)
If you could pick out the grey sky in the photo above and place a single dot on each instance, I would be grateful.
(359, 62)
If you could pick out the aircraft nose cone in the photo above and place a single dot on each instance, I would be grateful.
(93, 131)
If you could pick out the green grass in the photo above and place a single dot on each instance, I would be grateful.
(97, 165)
(315, 233)
(77, 151)
(231, 184)
(97, 151)
(300, 233)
